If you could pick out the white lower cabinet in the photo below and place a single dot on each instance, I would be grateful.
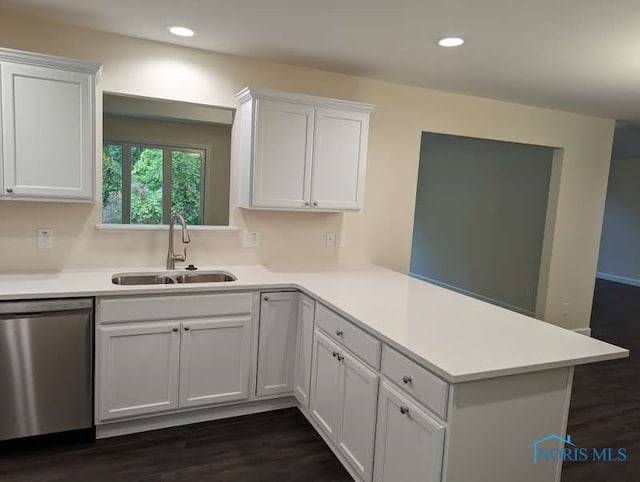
(359, 400)
(154, 367)
(138, 369)
(277, 343)
(325, 385)
(304, 348)
(343, 400)
(409, 442)
(215, 361)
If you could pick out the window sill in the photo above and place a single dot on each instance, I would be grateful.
(159, 227)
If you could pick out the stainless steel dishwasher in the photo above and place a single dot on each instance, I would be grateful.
(46, 367)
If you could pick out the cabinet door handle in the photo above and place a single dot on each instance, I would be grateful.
(306, 203)
(266, 298)
(175, 330)
(335, 354)
(9, 190)
(315, 203)
(186, 328)
(340, 357)
(407, 379)
(339, 332)
(404, 410)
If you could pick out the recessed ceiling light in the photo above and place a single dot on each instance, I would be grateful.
(450, 42)
(181, 31)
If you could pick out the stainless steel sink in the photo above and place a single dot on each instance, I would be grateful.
(216, 277)
(172, 278)
(142, 279)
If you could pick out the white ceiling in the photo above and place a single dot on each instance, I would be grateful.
(577, 55)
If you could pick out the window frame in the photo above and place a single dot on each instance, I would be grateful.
(167, 178)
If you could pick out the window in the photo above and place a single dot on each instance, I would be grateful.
(147, 184)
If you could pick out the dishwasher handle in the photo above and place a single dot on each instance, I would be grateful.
(44, 306)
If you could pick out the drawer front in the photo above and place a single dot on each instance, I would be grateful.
(423, 385)
(147, 308)
(358, 341)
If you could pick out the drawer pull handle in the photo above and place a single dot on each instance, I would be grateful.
(406, 379)
(339, 332)
(335, 354)
(340, 357)
(404, 410)
(9, 190)
(175, 330)
(186, 328)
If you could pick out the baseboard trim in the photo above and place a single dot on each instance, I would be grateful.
(618, 279)
(583, 331)
(487, 299)
(157, 422)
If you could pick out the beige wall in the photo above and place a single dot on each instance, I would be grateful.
(382, 233)
(216, 139)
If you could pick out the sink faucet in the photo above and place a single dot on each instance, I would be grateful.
(171, 256)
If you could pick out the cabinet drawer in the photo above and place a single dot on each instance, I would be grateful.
(359, 342)
(146, 308)
(426, 387)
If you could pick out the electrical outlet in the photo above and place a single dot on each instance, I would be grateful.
(45, 238)
(251, 239)
(330, 239)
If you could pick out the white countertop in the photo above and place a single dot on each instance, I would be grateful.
(456, 336)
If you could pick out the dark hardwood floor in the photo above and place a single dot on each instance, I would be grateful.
(605, 403)
(282, 446)
(274, 446)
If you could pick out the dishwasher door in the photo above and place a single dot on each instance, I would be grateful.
(46, 367)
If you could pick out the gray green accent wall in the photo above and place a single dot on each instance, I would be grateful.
(480, 214)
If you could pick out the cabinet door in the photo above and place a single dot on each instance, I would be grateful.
(339, 159)
(304, 347)
(325, 403)
(276, 343)
(214, 361)
(359, 393)
(282, 154)
(47, 132)
(409, 443)
(137, 369)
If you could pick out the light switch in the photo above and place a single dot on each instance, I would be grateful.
(45, 238)
(251, 239)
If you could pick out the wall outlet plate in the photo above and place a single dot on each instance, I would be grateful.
(45, 238)
(330, 239)
(250, 239)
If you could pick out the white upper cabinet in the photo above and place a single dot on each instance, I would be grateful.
(48, 128)
(282, 169)
(298, 152)
(339, 154)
